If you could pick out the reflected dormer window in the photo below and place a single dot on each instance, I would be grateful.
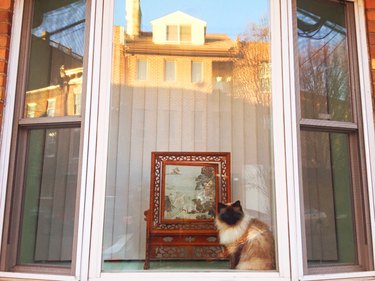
(170, 70)
(185, 33)
(172, 33)
(178, 28)
(178, 33)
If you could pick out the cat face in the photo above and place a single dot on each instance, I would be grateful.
(230, 213)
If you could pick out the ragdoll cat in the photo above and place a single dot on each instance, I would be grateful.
(249, 242)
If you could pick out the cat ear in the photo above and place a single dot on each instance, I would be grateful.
(236, 204)
(220, 206)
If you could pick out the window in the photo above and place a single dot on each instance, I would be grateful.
(185, 33)
(31, 108)
(182, 117)
(179, 33)
(196, 72)
(334, 194)
(51, 106)
(170, 70)
(172, 33)
(43, 190)
(141, 69)
(80, 195)
(77, 101)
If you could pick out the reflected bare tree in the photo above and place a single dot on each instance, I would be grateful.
(252, 68)
(324, 82)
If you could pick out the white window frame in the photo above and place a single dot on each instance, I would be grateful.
(95, 140)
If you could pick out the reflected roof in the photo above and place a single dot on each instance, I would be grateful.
(215, 44)
(65, 26)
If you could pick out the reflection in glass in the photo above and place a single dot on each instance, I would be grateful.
(56, 59)
(323, 60)
(218, 58)
(327, 186)
(48, 218)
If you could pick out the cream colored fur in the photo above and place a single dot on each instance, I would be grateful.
(229, 234)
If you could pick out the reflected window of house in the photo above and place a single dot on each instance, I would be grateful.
(196, 71)
(185, 33)
(77, 102)
(170, 70)
(31, 108)
(179, 33)
(51, 107)
(142, 69)
(172, 33)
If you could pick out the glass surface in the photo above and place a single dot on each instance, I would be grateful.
(328, 199)
(48, 218)
(323, 60)
(55, 63)
(226, 49)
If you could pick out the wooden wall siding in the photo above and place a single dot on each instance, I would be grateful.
(6, 13)
(159, 116)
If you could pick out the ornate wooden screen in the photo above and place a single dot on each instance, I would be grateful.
(185, 188)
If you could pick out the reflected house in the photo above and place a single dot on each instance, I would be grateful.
(62, 99)
(177, 54)
(55, 76)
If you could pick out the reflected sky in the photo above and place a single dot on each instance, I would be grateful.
(229, 17)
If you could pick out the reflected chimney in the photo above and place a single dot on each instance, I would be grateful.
(133, 18)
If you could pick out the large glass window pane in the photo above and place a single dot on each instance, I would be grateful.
(42, 204)
(227, 113)
(48, 216)
(56, 57)
(323, 60)
(328, 199)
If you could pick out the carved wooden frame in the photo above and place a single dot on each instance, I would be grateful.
(190, 239)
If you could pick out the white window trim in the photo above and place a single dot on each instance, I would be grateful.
(95, 149)
(6, 136)
(367, 109)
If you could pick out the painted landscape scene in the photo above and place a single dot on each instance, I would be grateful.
(190, 192)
